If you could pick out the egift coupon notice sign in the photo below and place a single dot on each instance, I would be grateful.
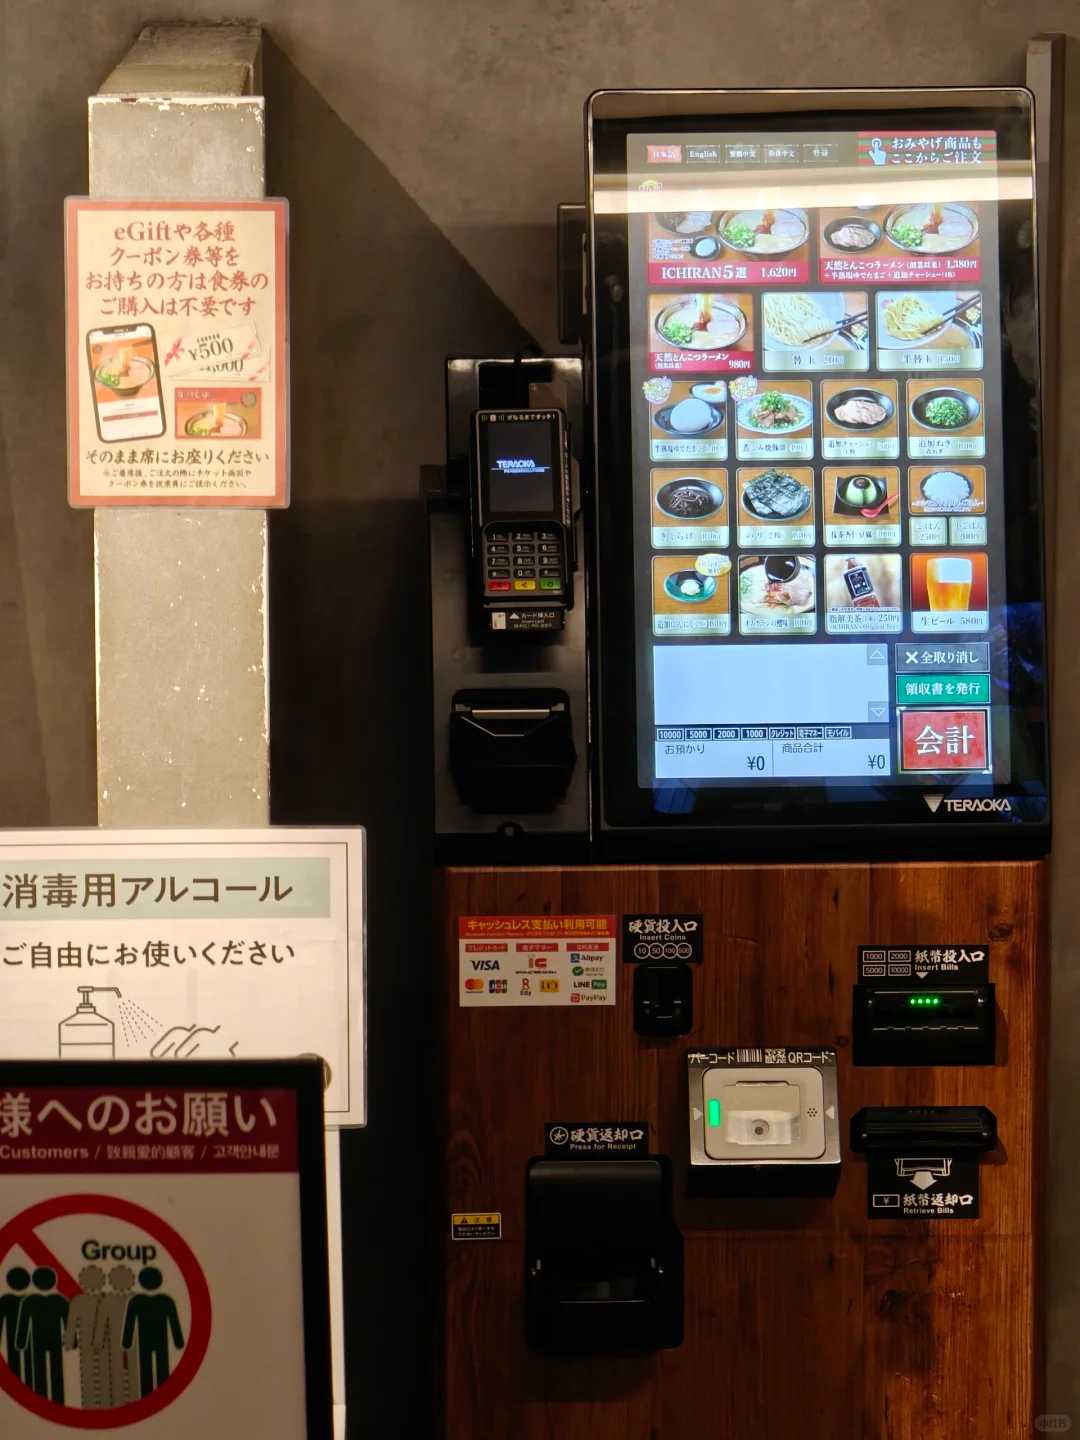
(177, 352)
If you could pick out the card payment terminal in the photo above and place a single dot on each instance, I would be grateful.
(521, 529)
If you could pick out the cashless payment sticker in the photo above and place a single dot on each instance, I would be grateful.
(536, 960)
(939, 964)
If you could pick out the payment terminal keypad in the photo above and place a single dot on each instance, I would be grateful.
(525, 562)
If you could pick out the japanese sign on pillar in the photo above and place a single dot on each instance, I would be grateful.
(177, 352)
(178, 945)
(163, 1250)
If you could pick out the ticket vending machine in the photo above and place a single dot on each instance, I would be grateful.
(744, 1113)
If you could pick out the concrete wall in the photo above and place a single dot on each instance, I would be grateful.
(424, 146)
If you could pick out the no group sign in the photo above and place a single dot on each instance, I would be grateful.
(163, 1250)
(132, 1310)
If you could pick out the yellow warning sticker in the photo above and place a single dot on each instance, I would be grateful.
(476, 1225)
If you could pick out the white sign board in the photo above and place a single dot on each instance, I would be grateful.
(176, 944)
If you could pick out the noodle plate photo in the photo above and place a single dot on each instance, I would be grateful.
(815, 330)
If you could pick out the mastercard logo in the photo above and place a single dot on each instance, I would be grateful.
(474, 984)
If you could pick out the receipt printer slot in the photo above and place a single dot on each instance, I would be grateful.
(603, 1264)
(511, 750)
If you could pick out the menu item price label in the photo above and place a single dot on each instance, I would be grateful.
(687, 418)
(929, 330)
(928, 242)
(776, 506)
(689, 599)
(702, 333)
(861, 505)
(863, 594)
(775, 420)
(815, 330)
(860, 422)
(946, 419)
(777, 594)
(708, 247)
(691, 508)
(949, 592)
(177, 353)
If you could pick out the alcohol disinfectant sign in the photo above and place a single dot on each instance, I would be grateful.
(186, 944)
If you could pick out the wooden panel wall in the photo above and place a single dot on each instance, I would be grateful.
(803, 1319)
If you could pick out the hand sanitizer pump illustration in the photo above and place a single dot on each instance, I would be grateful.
(88, 1035)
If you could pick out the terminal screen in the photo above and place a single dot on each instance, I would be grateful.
(815, 372)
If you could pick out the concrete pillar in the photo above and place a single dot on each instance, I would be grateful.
(181, 633)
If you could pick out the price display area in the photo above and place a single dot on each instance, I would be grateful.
(817, 495)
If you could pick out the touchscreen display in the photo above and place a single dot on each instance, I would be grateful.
(815, 372)
(517, 459)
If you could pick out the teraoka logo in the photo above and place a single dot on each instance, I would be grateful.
(967, 807)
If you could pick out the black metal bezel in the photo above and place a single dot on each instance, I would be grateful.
(670, 822)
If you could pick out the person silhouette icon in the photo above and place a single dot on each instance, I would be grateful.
(80, 1333)
(17, 1281)
(152, 1319)
(42, 1319)
(109, 1334)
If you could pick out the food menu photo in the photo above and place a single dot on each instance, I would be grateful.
(817, 455)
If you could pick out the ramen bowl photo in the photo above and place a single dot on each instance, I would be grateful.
(701, 322)
(124, 376)
(216, 423)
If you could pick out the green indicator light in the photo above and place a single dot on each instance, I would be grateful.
(714, 1113)
(924, 1000)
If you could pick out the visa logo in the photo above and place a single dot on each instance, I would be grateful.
(484, 964)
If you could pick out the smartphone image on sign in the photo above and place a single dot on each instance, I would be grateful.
(125, 382)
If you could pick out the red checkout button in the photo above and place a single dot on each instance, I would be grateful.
(944, 740)
(498, 585)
